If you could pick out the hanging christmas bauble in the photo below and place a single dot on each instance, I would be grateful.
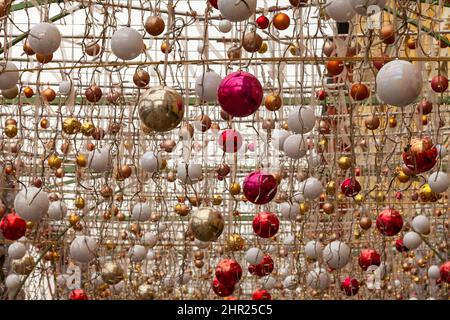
(262, 22)
(220, 289)
(318, 279)
(369, 257)
(228, 272)
(230, 141)
(206, 224)
(31, 204)
(9, 75)
(339, 10)
(389, 222)
(13, 227)
(266, 224)
(264, 268)
(127, 44)
(439, 181)
(237, 10)
(261, 294)
(78, 294)
(350, 286)
(444, 271)
(206, 86)
(57, 210)
(301, 120)
(44, 38)
(336, 254)
(420, 155)
(83, 248)
(260, 187)
(350, 187)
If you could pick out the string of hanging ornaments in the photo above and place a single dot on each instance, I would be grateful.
(224, 149)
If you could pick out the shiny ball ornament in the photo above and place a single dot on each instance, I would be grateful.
(206, 224)
(266, 224)
(433, 272)
(65, 87)
(240, 93)
(225, 26)
(154, 25)
(78, 294)
(31, 204)
(289, 211)
(399, 246)
(127, 44)
(344, 162)
(228, 272)
(439, 181)
(350, 187)
(444, 271)
(318, 279)
(421, 224)
(13, 227)
(83, 248)
(421, 156)
(112, 273)
(301, 120)
(439, 84)
(44, 38)
(17, 250)
(99, 160)
(364, 7)
(262, 269)
(252, 42)
(137, 253)
(261, 294)
(10, 78)
(141, 212)
(313, 249)
(273, 102)
(150, 162)
(206, 86)
(12, 281)
(335, 67)
(281, 21)
(57, 210)
(311, 188)
(350, 286)
(359, 92)
(230, 141)
(294, 146)
(161, 109)
(236, 11)
(221, 289)
(10, 93)
(93, 93)
(262, 22)
(399, 83)
(369, 257)
(189, 173)
(235, 242)
(336, 254)
(412, 240)
(339, 10)
(260, 187)
(290, 282)
(254, 256)
(389, 222)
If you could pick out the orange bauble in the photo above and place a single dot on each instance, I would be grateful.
(49, 94)
(273, 102)
(335, 67)
(359, 91)
(28, 92)
(166, 47)
(281, 21)
(44, 58)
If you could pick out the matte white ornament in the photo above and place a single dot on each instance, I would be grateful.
(17, 250)
(57, 210)
(127, 44)
(236, 10)
(295, 146)
(31, 204)
(137, 253)
(141, 212)
(206, 86)
(301, 120)
(82, 249)
(339, 10)
(189, 173)
(10, 78)
(225, 26)
(439, 181)
(311, 188)
(336, 254)
(412, 240)
(318, 279)
(44, 38)
(421, 224)
(99, 160)
(254, 256)
(313, 249)
(289, 211)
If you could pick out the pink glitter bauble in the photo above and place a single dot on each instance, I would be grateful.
(240, 94)
(260, 187)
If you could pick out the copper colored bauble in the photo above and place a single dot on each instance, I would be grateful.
(28, 92)
(350, 286)
(113, 97)
(205, 122)
(261, 294)
(44, 58)
(206, 224)
(181, 209)
(27, 49)
(400, 246)
(266, 224)
(369, 257)
(444, 272)
(273, 102)
(281, 21)
(112, 273)
(350, 187)
(372, 122)
(425, 107)
(365, 223)
(389, 222)
(166, 47)
(228, 272)
(262, 22)
(439, 84)
(251, 42)
(421, 155)
(13, 227)
(93, 93)
(161, 109)
(92, 49)
(11, 131)
(220, 289)
(359, 91)
(260, 187)
(335, 67)
(387, 31)
(78, 294)
(49, 94)
(154, 25)
(223, 169)
(124, 171)
(141, 78)
(328, 208)
(264, 268)
(234, 53)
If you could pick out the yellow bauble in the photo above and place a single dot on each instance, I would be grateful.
(331, 188)
(11, 130)
(217, 199)
(359, 198)
(54, 161)
(71, 126)
(402, 176)
(304, 207)
(263, 48)
(425, 193)
(81, 160)
(87, 128)
(80, 203)
(235, 242)
(235, 188)
(344, 162)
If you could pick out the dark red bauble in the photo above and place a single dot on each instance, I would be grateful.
(228, 272)
(214, 3)
(13, 227)
(369, 257)
(444, 271)
(261, 295)
(220, 289)
(439, 84)
(389, 222)
(350, 187)
(379, 63)
(425, 107)
(421, 156)
(400, 246)
(264, 268)
(321, 95)
(262, 22)
(266, 224)
(78, 294)
(350, 286)
(260, 187)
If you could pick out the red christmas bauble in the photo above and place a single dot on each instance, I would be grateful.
(260, 187)
(228, 272)
(359, 92)
(380, 62)
(350, 187)
(399, 246)
(445, 272)
(389, 222)
(214, 3)
(220, 289)
(78, 294)
(421, 156)
(321, 95)
(230, 141)
(261, 295)
(266, 224)
(13, 227)
(369, 257)
(262, 22)
(264, 268)
(350, 286)
(439, 84)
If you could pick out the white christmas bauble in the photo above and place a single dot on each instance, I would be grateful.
(442, 151)
(421, 224)
(290, 282)
(339, 10)
(225, 26)
(311, 188)
(399, 83)
(31, 204)
(127, 44)
(298, 196)
(141, 212)
(189, 173)
(313, 249)
(279, 137)
(439, 181)
(99, 160)
(82, 249)
(318, 279)
(365, 7)
(57, 210)
(301, 120)
(254, 256)
(65, 87)
(150, 255)
(44, 38)
(336, 254)
(289, 211)
(150, 162)
(412, 240)
(295, 146)
(61, 280)
(137, 253)
(237, 10)
(12, 281)
(434, 272)
(8, 79)
(17, 250)
(314, 159)
(268, 282)
(206, 86)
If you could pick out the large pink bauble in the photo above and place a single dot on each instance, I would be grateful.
(260, 187)
(240, 94)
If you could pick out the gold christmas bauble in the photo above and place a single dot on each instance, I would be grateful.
(54, 161)
(344, 162)
(80, 203)
(217, 199)
(273, 102)
(263, 48)
(206, 224)
(11, 130)
(71, 126)
(235, 188)
(112, 273)
(235, 242)
(23, 266)
(87, 128)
